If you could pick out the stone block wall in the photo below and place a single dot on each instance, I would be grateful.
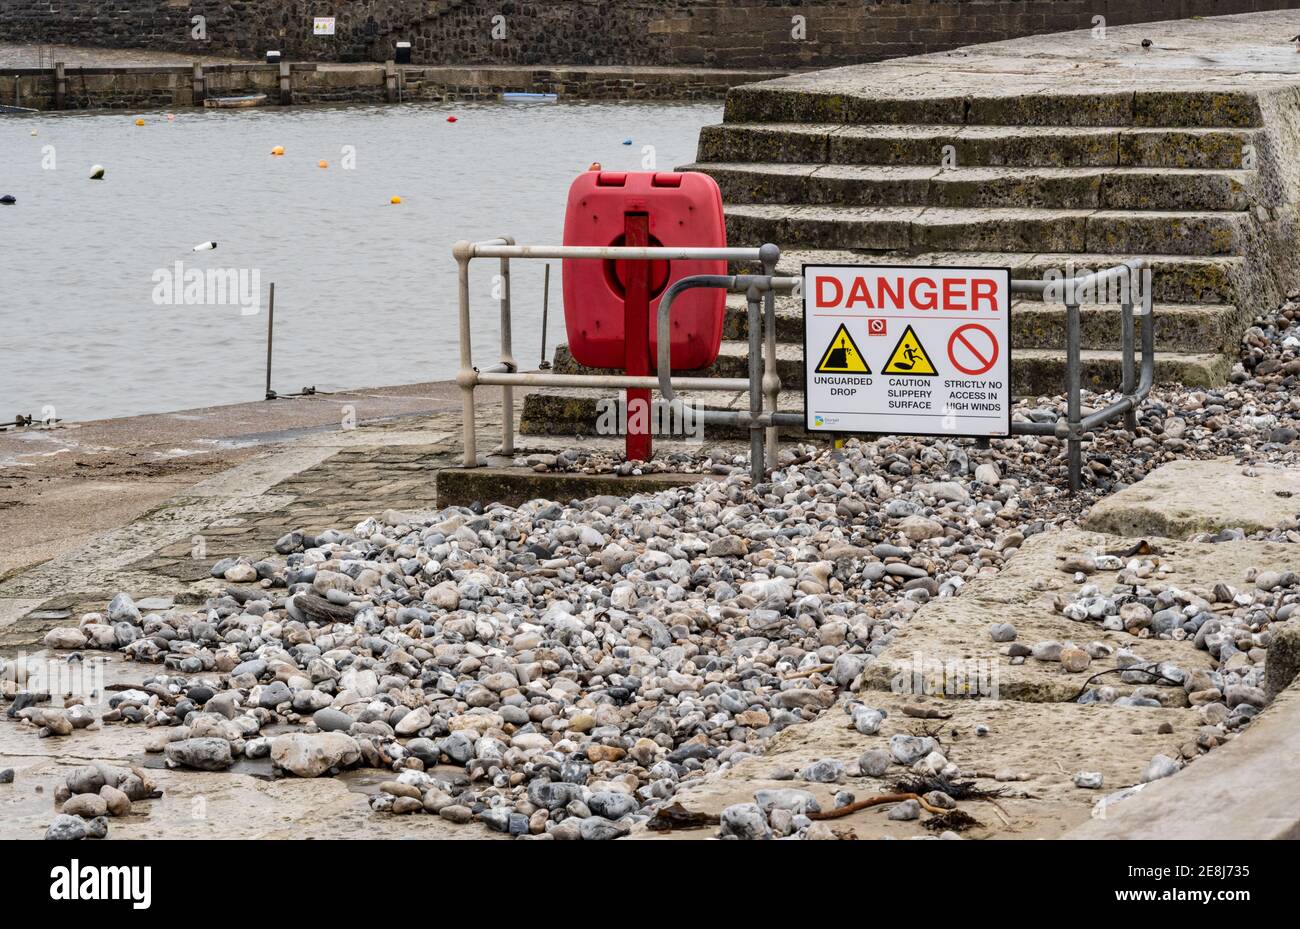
(684, 33)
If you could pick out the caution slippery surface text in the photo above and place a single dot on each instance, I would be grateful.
(907, 350)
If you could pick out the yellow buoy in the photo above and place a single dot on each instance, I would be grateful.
(322, 163)
(395, 200)
(139, 122)
(278, 150)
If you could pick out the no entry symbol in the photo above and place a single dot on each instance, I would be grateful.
(875, 327)
(973, 349)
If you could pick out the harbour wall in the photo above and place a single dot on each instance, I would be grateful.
(757, 34)
(299, 83)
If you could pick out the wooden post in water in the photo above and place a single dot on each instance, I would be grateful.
(60, 86)
(390, 80)
(270, 334)
(200, 85)
(286, 84)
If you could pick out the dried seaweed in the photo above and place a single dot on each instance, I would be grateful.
(951, 820)
(958, 790)
(676, 816)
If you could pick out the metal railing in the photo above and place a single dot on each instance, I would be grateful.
(763, 383)
(1133, 388)
(506, 375)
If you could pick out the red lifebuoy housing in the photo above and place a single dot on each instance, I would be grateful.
(682, 209)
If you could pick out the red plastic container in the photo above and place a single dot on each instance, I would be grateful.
(684, 209)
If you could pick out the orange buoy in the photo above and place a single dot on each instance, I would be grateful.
(139, 122)
(278, 150)
(322, 163)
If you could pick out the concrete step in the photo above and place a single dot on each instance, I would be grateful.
(789, 318)
(1111, 188)
(759, 103)
(1179, 327)
(578, 412)
(1034, 371)
(1176, 278)
(974, 146)
(1112, 232)
(732, 361)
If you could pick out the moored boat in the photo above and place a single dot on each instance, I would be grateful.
(235, 102)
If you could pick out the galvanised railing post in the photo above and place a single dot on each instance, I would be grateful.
(1073, 400)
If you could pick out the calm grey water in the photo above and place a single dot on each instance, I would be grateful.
(365, 290)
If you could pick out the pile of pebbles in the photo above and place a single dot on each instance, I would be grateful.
(560, 670)
(607, 461)
(1236, 625)
(92, 793)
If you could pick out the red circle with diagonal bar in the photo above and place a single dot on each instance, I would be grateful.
(973, 349)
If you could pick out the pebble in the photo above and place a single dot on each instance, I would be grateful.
(64, 827)
(1002, 632)
(1161, 766)
(744, 821)
(1089, 780)
(906, 811)
(875, 762)
(332, 720)
(908, 749)
(204, 754)
(308, 755)
(1075, 660)
(87, 806)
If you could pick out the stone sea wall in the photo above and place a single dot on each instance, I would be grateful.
(146, 88)
(714, 33)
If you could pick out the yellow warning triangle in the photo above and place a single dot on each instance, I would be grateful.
(909, 357)
(842, 355)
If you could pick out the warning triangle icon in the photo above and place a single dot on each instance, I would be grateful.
(909, 357)
(842, 355)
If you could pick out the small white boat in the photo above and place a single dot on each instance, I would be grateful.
(235, 102)
(522, 97)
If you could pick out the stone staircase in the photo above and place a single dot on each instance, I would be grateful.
(1071, 183)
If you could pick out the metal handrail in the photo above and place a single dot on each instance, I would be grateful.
(763, 382)
(1072, 427)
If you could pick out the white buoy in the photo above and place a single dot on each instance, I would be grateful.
(204, 247)
(97, 172)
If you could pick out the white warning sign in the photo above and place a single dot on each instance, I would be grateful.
(907, 350)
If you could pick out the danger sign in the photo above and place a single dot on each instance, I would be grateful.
(947, 372)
